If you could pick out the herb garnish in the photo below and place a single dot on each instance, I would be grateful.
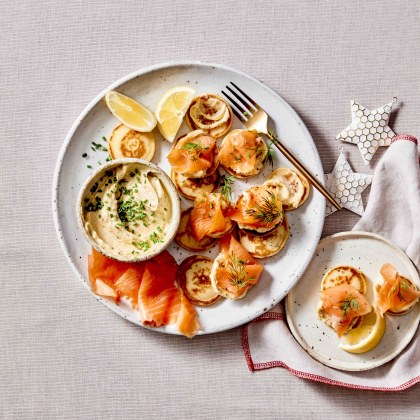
(349, 303)
(194, 149)
(226, 186)
(131, 210)
(144, 245)
(94, 206)
(268, 211)
(155, 238)
(271, 155)
(237, 271)
(397, 290)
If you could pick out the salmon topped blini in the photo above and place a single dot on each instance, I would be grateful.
(194, 155)
(209, 216)
(341, 306)
(234, 270)
(243, 153)
(395, 294)
(258, 209)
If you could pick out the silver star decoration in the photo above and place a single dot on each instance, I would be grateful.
(346, 186)
(368, 129)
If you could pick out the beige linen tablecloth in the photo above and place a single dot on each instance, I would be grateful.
(63, 354)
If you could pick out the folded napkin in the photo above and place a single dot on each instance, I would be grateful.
(393, 211)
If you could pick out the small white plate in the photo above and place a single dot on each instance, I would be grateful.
(147, 86)
(367, 252)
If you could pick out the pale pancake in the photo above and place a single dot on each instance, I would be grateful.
(127, 143)
(297, 185)
(345, 274)
(265, 245)
(193, 278)
(210, 113)
(192, 188)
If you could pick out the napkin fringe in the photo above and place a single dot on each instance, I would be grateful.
(304, 375)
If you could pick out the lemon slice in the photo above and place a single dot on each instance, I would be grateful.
(131, 113)
(171, 110)
(366, 336)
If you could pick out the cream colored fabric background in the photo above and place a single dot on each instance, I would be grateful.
(63, 354)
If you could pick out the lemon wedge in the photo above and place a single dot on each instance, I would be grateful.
(366, 336)
(131, 113)
(171, 110)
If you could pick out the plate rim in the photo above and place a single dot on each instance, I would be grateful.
(371, 364)
(141, 72)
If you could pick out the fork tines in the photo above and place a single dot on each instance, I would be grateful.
(244, 107)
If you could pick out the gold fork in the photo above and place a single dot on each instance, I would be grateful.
(253, 117)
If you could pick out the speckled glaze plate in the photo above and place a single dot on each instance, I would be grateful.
(367, 252)
(147, 85)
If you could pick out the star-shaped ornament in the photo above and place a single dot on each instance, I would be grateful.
(346, 186)
(368, 129)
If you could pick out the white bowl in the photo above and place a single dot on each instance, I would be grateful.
(173, 195)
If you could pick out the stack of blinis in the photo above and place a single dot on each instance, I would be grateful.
(248, 229)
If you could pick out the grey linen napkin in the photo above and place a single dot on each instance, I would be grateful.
(393, 211)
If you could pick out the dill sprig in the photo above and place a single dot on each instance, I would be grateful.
(397, 290)
(268, 211)
(226, 186)
(237, 269)
(349, 303)
(271, 155)
(191, 146)
(194, 149)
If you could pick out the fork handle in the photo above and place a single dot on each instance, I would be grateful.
(283, 149)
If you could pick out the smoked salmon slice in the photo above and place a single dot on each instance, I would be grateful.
(187, 322)
(240, 151)
(396, 293)
(193, 154)
(128, 284)
(208, 217)
(243, 153)
(344, 303)
(159, 298)
(148, 286)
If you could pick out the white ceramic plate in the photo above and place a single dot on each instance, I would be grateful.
(365, 251)
(147, 86)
